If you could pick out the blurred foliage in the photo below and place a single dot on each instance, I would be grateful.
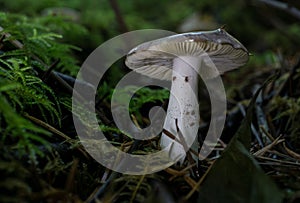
(258, 26)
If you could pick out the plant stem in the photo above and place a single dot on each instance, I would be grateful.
(183, 107)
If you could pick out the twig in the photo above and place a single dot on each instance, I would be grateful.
(135, 121)
(191, 182)
(291, 153)
(176, 173)
(118, 15)
(71, 176)
(16, 43)
(45, 76)
(1, 40)
(196, 187)
(185, 147)
(55, 131)
(279, 161)
(2, 37)
(193, 169)
(267, 133)
(136, 189)
(283, 6)
(173, 172)
(223, 144)
(268, 147)
(170, 135)
(48, 127)
(281, 155)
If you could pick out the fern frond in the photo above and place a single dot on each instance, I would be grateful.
(42, 37)
(33, 91)
(22, 130)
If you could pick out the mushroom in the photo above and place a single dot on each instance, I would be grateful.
(179, 58)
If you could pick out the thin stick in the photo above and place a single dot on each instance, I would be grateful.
(48, 127)
(181, 172)
(291, 153)
(268, 147)
(186, 149)
(279, 161)
(55, 131)
(283, 6)
(196, 187)
(45, 76)
(266, 133)
(170, 135)
(118, 15)
(191, 182)
(137, 188)
(71, 177)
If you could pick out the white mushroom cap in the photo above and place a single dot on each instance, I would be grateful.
(155, 58)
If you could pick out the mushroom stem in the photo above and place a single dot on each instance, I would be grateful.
(183, 106)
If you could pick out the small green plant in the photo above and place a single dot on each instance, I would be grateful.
(21, 135)
(147, 95)
(28, 47)
(31, 91)
(43, 39)
(140, 98)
